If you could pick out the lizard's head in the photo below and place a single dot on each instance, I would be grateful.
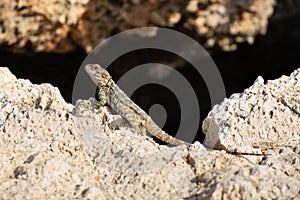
(98, 75)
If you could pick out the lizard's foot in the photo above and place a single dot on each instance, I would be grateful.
(84, 107)
(95, 105)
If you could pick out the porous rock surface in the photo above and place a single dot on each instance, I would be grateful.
(52, 150)
(29, 25)
(60, 26)
(227, 23)
(263, 117)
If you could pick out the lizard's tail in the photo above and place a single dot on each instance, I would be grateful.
(154, 130)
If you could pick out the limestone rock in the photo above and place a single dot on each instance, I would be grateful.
(227, 23)
(224, 176)
(104, 17)
(40, 156)
(60, 26)
(39, 25)
(48, 150)
(259, 182)
(263, 117)
(53, 150)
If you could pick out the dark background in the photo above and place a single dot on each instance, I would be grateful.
(272, 55)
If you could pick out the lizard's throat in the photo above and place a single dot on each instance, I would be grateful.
(107, 84)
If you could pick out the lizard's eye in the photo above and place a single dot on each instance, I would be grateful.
(105, 75)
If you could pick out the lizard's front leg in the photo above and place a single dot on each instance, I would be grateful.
(103, 96)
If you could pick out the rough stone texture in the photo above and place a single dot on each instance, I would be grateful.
(227, 23)
(224, 176)
(39, 25)
(47, 152)
(104, 17)
(40, 156)
(263, 117)
(52, 150)
(58, 26)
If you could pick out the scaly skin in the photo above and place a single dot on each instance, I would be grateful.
(110, 94)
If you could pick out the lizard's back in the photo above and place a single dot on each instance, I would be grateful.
(137, 117)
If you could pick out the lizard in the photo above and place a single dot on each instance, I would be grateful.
(110, 94)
